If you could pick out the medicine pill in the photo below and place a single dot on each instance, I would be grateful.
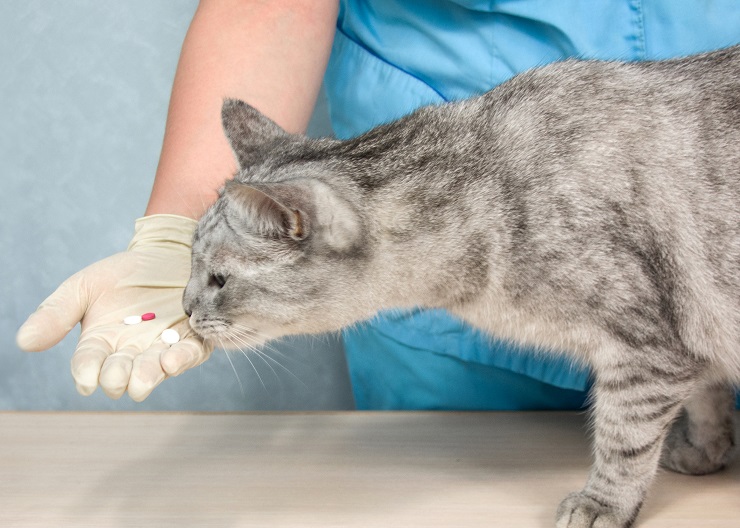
(132, 319)
(170, 336)
(148, 316)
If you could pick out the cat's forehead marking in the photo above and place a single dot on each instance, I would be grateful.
(227, 224)
(210, 220)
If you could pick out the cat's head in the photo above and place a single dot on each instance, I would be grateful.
(280, 251)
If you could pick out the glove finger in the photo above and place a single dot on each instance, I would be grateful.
(115, 372)
(147, 372)
(184, 355)
(54, 318)
(87, 361)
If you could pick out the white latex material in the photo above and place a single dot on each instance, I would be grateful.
(148, 277)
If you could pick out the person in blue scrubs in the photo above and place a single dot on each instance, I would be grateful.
(393, 56)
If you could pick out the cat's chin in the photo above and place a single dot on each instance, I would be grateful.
(210, 330)
(227, 334)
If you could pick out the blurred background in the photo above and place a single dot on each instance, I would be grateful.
(84, 88)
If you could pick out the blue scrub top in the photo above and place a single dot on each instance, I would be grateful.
(393, 56)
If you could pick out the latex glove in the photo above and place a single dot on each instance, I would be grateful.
(149, 277)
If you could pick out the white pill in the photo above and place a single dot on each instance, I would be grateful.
(170, 336)
(132, 319)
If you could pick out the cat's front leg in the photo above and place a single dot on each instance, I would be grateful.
(635, 402)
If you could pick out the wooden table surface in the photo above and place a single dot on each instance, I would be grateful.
(350, 469)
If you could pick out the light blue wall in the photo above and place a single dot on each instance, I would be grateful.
(84, 86)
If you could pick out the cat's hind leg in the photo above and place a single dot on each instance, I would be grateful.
(636, 398)
(701, 440)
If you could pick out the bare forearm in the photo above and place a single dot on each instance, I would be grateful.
(271, 54)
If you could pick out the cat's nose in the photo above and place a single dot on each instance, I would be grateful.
(187, 302)
(187, 306)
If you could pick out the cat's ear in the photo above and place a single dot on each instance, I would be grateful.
(296, 210)
(250, 134)
(269, 210)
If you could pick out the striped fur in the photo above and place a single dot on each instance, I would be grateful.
(585, 208)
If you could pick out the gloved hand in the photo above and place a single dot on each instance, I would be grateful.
(149, 277)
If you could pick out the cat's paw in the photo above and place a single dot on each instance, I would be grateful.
(696, 452)
(581, 511)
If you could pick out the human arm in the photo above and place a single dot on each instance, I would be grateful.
(269, 53)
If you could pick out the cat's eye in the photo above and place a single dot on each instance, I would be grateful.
(217, 280)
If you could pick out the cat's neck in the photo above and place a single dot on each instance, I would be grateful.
(418, 185)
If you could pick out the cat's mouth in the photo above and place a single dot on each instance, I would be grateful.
(208, 329)
(227, 334)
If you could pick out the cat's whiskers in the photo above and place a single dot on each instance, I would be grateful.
(235, 338)
(236, 345)
(265, 339)
(241, 335)
(226, 351)
(286, 369)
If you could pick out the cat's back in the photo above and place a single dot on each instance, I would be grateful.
(712, 72)
(668, 124)
(605, 170)
(700, 90)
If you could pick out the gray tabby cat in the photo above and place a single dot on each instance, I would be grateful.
(585, 208)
